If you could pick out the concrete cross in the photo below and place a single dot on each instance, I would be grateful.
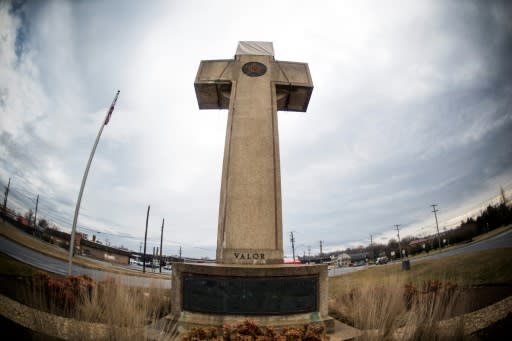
(253, 86)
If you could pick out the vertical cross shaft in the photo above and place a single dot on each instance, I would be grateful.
(253, 86)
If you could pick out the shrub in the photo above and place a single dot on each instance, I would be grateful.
(249, 331)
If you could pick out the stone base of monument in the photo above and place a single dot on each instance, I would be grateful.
(213, 295)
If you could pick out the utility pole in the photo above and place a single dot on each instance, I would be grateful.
(437, 225)
(371, 247)
(153, 258)
(180, 251)
(5, 198)
(145, 240)
(321, 251)
(292, 239)
(35, 214)
(84, 179)
(161, 240)
(140, 247)
(398, 233)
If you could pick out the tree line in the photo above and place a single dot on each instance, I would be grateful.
(493, 217)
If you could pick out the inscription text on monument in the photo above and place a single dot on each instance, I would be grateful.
(256, 256)
(250, 295)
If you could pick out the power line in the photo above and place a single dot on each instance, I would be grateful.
(437, 225)
(35, 214)
(371, 247)
(397, 227)
(145, 240)
(292, 239)
(161, 240)
(46, 211)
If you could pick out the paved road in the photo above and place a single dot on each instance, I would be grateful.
(60, 267)
(342, 271)
(501, 240)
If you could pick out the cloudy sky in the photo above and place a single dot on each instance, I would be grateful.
(412, 106)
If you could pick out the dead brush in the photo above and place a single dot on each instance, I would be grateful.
(394, 310)
(250, 331)
(432, 303)
(58, 295)
(126, 311)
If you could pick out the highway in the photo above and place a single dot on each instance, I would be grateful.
(60, 267)
(501, 240)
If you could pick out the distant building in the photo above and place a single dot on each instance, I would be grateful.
(357, 259)
(104, 252)
(315, 259)
(343, 260)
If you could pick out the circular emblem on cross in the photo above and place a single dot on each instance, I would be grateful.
(254, 69)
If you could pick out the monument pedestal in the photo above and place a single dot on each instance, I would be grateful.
(212, 295)
(249, 280)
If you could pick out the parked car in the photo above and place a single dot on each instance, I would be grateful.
(382, 260)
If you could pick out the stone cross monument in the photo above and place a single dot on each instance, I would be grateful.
(253, 86)
(249, 279)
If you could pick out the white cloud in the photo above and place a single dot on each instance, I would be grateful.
(396, 92)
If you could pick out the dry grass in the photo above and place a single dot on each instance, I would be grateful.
(126, 311)
(116, 311)
(393, 309)
(390, 304)
(489, 267)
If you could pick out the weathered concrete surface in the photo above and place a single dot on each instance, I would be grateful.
(189, 319)
(253, 86)
(250, 222)
(69, 329)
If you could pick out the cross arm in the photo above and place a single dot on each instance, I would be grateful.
(294, 85)
(213, 84)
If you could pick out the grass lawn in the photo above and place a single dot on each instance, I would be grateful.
(384, 299)
(11, 267)
(484, 268)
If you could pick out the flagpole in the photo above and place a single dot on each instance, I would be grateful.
(84, 179)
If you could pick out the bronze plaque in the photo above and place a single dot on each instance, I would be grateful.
(251, 295)
(254, 69)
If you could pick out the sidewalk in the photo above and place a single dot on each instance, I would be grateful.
(343, 331)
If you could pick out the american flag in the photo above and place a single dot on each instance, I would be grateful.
(111, 108)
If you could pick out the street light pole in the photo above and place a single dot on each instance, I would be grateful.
(84, 179)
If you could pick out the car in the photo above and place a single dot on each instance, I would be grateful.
(381, 260)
